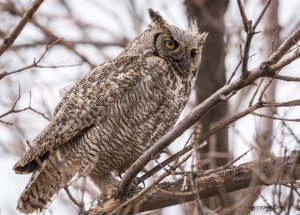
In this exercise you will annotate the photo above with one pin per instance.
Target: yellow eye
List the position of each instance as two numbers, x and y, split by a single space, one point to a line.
170 44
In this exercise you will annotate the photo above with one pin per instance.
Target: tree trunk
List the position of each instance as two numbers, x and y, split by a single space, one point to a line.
211 76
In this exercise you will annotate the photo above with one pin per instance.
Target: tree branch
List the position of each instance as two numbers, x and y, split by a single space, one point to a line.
10 39
250 30
216 129
276 170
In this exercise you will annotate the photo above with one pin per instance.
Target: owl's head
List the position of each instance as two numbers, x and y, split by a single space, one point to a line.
181 48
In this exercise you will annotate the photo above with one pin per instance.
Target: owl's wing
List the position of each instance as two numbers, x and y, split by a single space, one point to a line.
89 99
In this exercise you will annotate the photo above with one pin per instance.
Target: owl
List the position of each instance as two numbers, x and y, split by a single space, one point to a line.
111 115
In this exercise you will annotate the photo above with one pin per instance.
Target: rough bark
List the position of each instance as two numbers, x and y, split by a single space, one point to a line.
275 170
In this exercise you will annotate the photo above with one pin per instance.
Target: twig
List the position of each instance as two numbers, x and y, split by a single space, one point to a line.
285 47
163 164
291 132
264 199
243 15
285 78
80 205
261 14
285 61
250 30
256 92
267 83
234 72
194 184
227 165
14 110
10 39
96 43
274 117
35 62
71 47
290 103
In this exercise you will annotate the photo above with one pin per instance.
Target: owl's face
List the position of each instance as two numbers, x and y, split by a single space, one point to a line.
182 49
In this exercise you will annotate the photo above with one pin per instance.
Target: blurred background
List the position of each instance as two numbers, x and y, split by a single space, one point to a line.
89 32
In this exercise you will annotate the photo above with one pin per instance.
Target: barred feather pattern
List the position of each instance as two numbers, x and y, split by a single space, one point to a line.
52 175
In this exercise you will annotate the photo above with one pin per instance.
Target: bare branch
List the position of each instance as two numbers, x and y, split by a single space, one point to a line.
275 118
10 39
286 78
286 61
243 15
80 205
271 171
261 14
35 62
250 30
285 46
14 110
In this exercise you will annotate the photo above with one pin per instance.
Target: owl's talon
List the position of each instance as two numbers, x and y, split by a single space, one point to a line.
135 189
130 192
116 194
137 180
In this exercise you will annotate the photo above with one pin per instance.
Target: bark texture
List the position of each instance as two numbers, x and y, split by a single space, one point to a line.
267 172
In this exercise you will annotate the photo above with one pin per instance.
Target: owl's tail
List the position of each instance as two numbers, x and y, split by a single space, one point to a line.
44 183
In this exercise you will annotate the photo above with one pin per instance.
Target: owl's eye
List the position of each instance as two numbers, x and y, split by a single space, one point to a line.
193 53
170 44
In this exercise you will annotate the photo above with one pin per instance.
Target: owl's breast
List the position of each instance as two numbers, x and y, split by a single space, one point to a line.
135 121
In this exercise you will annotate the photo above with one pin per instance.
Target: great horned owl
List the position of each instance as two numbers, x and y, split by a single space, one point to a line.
114 113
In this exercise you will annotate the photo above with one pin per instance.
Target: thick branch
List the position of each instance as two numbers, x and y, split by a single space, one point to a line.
10 39
268 172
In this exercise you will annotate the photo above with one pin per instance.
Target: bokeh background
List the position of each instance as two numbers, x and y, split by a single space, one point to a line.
93 31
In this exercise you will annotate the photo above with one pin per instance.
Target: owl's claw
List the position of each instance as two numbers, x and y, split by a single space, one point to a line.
130 192
116 194
137 181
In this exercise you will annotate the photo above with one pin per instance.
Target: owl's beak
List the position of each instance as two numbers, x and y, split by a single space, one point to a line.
183 62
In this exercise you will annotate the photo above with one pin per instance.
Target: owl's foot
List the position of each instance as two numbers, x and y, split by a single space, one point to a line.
130 192
138 181
108 191
109 187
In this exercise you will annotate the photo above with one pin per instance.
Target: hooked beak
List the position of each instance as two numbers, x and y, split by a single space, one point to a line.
182 62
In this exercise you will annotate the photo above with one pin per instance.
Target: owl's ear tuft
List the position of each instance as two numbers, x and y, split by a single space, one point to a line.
157 20
196 32
194 27
203 38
